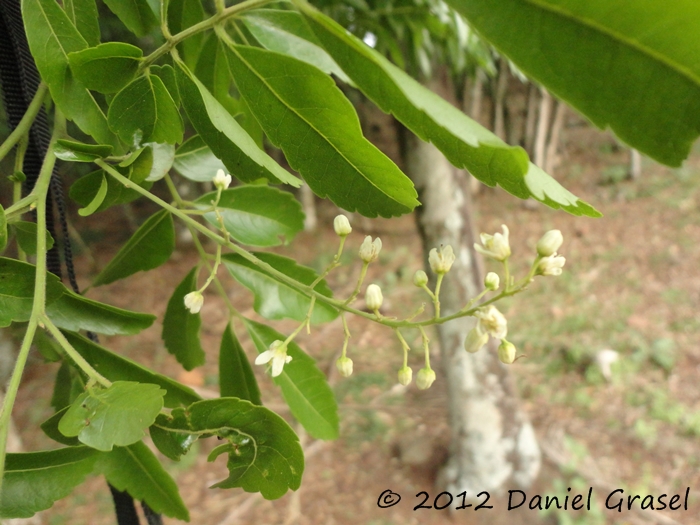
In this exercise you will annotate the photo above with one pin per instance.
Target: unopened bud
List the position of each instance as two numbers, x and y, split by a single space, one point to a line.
222 180
441 260
506 352
369 250
373 297
475 340
420 278
341 225
550 243
405 375
194 302
425 378
492 281
344 365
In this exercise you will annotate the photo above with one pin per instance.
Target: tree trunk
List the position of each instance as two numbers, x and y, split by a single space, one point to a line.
543 128
531 119
499 117
551 161
635 164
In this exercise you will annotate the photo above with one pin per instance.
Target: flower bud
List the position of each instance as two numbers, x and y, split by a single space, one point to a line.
405 375
425 378
369 250
551 265
221 180
420 278
441 260
344 365
550 243
492 281
495 246
492 322
475 340
341 225
506 352
194 302
373 297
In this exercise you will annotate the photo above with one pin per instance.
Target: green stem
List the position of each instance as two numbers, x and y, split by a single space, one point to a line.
436 297
426 347
21 206
361 278
26 122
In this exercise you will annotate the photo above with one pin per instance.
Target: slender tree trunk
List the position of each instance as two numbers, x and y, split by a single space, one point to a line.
499 118
543 128
552 158
635 164
531 119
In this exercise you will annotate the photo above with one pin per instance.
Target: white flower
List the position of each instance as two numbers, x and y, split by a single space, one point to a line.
277 353
492 322
420 278
441 260
475 340
341 225
405 375
373 297
222 180
506 352
344 365
550 243
369 251
425 378
492 281
551 265
495 246
194 302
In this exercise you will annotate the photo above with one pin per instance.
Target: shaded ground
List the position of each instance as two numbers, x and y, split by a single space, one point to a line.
631 284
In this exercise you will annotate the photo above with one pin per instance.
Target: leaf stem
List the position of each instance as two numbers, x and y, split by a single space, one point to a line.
23 127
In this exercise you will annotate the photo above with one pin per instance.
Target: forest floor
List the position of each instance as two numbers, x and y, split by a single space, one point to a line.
631 284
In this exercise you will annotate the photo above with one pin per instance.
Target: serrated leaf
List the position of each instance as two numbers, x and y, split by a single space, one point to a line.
149 247
136 15
226 138
17 290
106 68
97 200
33 481
83 14
144 111
72 151
465 143
136 470
301 110
236 378
195 161
117 415
303 385
632 67
264 454
51 36
257 215
118 368
286 32
74 312
277 300
181 327
25 232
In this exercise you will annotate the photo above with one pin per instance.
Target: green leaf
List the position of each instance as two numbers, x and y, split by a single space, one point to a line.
167 74
51 36
61 396
106 68
33 481
303 385
50 426
136 470
226 138
264 454
212 69
83 15
301 110
72 151
286 32
118 368
144 112
149 247
181 327
236 378
195 161
465 143
634 69
26 236
74 312
17 290
3 229
277 300
84 190
181 15
136 15
97 200
118 415
257 215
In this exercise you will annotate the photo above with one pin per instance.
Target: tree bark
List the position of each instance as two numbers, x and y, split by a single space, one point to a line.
499 117
551 161
543 128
